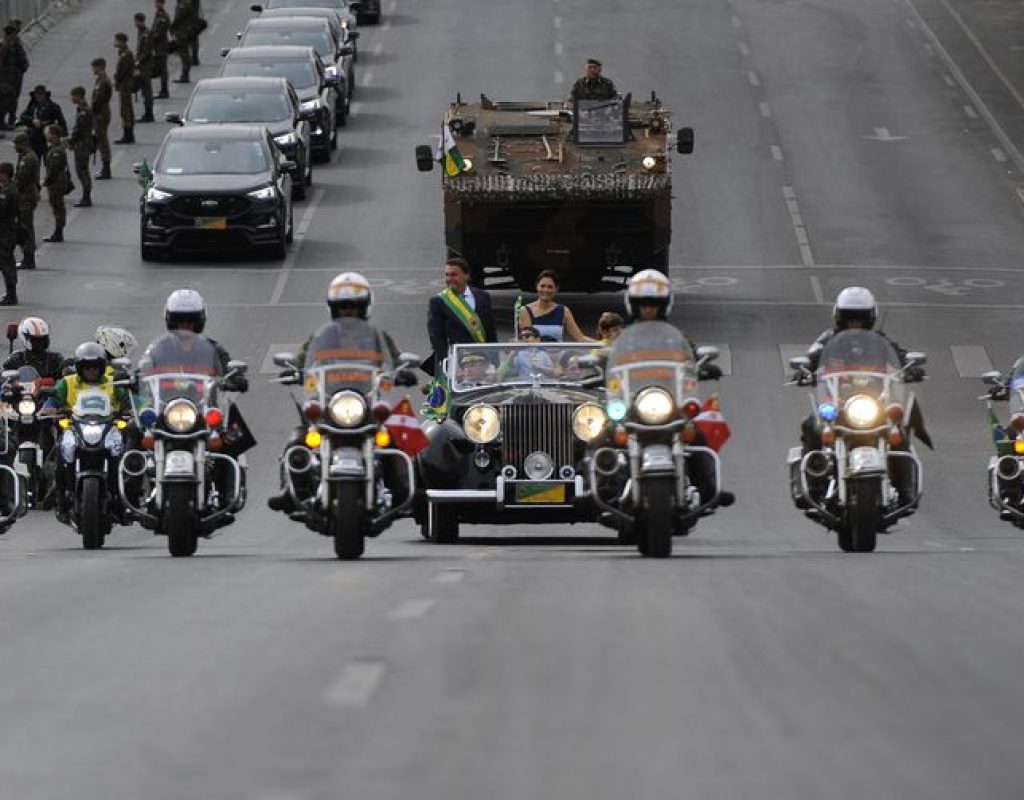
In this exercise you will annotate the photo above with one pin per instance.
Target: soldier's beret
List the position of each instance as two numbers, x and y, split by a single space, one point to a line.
594 61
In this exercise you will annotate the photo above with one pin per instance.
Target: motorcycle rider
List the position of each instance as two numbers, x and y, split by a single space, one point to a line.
349 295
648 298
185 310
35 338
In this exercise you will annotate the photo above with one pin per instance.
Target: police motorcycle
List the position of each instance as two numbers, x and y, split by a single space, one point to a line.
24 393
345 479
865 475
1006 467
12 485
178 483
652 402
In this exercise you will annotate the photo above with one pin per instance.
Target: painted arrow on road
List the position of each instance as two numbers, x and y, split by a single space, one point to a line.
883 135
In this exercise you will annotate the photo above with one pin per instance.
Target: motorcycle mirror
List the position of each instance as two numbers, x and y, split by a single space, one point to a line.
800 363
9 375
409 360
238 367
122 364
684 141
284 360
424 158
992 378
173 116
12 331
707 352
916 358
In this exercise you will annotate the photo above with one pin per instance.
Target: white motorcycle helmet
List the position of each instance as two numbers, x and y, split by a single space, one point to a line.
855 303
117 342
185 305
348 290
34 334
649 287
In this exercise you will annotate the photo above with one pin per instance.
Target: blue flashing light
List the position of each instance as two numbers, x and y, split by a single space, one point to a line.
148 418
828 412
617 410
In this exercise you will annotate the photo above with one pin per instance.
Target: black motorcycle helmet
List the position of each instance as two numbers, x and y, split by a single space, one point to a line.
90 362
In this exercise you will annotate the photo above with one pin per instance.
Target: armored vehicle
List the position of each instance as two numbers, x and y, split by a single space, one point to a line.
583 187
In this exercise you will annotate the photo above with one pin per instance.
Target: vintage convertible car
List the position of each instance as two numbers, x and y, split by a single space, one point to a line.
512 448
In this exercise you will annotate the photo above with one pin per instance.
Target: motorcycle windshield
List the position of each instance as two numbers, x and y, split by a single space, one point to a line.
92 402
651 354
346 353
178 364
859 362
28 379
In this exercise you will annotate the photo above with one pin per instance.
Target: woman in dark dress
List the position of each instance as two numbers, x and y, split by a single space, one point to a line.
553 321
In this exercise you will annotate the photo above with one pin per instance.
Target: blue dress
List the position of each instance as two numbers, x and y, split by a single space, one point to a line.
550 326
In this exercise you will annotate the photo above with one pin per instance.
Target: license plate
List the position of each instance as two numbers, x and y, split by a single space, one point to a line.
540 493
212 223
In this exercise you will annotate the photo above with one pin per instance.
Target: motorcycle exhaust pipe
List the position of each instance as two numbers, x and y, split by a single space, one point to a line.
1008 468
606 461
134 463
817 464
299 460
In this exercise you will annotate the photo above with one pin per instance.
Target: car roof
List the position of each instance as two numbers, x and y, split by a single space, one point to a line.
256 83
226 131
286 23
300 11
281 52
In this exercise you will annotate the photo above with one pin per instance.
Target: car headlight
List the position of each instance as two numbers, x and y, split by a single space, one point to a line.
589 421
286 139
481 424
180 415
91 434
654 406
310 105
347 409
263 193
26 406
861 411
154 195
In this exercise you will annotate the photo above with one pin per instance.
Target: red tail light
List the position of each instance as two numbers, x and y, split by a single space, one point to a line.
894 411
214 417
312 410
691 408
381 411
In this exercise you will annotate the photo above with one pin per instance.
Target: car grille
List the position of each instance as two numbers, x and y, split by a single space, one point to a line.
540 426
200 206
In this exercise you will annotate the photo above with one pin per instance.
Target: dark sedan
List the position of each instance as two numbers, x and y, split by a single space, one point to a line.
300 65
217 187
270 102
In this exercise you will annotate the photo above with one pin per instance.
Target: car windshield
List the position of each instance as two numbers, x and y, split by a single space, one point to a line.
337 4
212 157
317 38
239 107
300 74
474 366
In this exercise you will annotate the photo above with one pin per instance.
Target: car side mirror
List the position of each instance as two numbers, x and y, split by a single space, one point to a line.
706 353
916 358
137 168
992 378
409 360
224 51
238 367
288 165
800 363
684 141
238 35
173 116
424 158
284 360
256 8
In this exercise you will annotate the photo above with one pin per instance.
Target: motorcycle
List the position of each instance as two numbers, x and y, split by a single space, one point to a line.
344 478
179 484
91 444
1006 467
12 489
31 436
865 474
652 404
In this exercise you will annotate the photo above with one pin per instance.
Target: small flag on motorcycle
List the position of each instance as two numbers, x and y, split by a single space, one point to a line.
405 429
712 425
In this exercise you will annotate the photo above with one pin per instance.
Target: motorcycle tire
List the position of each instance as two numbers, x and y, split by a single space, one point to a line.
656 525
91 519
347 521
864 515
180 523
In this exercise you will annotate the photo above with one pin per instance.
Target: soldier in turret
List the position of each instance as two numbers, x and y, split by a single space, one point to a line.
593 85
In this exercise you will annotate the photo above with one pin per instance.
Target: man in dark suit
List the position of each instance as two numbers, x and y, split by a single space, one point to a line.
459 314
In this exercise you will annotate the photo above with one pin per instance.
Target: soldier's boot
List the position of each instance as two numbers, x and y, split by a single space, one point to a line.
183 78
128 137
104 173
164 94
28 261
11 298
86 200
148 116
57 235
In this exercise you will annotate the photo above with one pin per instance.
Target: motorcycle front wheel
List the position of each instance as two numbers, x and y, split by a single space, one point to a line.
92 523
347 521
860 531
655 535
180 522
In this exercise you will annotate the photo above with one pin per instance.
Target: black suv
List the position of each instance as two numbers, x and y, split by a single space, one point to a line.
341 33
303 70
217 187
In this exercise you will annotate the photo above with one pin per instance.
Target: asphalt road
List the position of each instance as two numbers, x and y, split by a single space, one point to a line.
876 143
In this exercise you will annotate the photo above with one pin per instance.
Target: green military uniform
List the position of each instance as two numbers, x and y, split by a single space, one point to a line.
587 88
161 47
145 61
8 232
184 29
124 77
102 93
81 142
56 182
26 181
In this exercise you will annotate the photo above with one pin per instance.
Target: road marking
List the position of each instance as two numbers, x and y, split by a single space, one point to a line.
776 152
883 135
969 111
802 241
412 609
724 360
949 81
998 155
753 78
819 295
558 48
300 234
766 110
354 108
971 361
911 24
377 47
268 367
559 77
449 576
744 50
355 686
788 351
367 78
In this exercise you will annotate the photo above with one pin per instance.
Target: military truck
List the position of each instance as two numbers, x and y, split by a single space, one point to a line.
584 188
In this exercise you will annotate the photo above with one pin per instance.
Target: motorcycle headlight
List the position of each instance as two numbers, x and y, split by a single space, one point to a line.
589 421
481 424
310 106
654 406
286 139
180 415
154 195
861 411
347 409
263 193
91 434
26 406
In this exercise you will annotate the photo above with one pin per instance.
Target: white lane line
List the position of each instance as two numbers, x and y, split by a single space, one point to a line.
355 686
819 295
724 360
449 576
268 367
753 77
367 78
411 609
788 351
802 240
966 549
744 50
300 234
971 361
558 22
776 152
558 48
766 110
998 155
376 49
559 77
969 111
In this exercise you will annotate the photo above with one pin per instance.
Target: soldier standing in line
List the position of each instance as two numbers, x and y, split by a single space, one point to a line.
56 181
183 28
124 78
19 46
81 140
8 233
102 92
593 86
161 46
26 181
193 43
13 63
145 59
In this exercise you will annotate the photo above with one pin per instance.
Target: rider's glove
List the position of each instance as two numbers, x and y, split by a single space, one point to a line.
406 377
709 372
237 383
999 393
914 374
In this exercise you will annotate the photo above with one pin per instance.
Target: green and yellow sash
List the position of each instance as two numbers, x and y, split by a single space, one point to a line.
464 314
